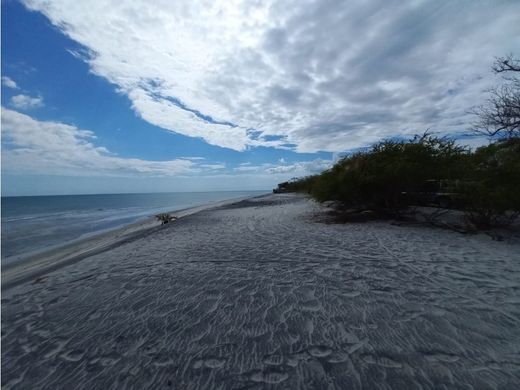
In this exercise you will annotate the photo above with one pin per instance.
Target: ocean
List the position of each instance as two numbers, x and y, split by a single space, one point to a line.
34 223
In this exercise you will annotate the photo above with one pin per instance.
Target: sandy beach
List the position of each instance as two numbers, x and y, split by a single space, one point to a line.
258 295
20 268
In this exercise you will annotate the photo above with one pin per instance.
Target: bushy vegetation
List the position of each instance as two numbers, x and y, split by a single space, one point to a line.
492 193
393 175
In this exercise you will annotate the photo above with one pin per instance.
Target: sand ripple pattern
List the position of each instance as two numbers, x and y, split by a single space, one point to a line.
257 296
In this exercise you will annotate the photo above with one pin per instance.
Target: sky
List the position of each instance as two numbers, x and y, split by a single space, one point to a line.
111 96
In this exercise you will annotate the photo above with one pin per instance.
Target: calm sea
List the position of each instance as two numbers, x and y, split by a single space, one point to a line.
32 223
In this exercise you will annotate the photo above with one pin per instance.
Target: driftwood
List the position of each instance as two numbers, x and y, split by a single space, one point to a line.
165 218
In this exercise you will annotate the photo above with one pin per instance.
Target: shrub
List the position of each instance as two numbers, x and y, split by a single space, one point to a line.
165 218
486 183
492 195
377 178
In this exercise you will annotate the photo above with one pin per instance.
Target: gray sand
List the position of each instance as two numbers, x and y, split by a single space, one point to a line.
20 268
256 295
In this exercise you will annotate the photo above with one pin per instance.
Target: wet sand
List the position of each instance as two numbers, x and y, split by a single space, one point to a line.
257 295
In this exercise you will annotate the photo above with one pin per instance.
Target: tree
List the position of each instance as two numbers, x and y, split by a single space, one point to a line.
490 193
500 116
378 178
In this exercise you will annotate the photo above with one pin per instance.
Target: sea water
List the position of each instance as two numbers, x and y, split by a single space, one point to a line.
33 223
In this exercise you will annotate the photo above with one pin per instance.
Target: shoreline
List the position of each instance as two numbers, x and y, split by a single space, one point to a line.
21 268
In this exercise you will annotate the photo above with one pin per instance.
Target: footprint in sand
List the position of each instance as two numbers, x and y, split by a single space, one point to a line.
212 362
381 361
348 337
107 361
319 351
269 376
294 359
351 294
74 355
29 347
273 360
162 360
308 326
350 347
239 288
198 331
338 357
311 305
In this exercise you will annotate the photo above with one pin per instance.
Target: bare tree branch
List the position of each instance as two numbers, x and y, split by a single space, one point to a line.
500 115
506 64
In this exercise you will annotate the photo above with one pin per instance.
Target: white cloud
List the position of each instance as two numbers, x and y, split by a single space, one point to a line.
25 102
248 168
302 168
213 166
165 114
299 168
41 147
9 83
319 75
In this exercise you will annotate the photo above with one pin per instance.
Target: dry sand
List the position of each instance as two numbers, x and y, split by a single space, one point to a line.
256 295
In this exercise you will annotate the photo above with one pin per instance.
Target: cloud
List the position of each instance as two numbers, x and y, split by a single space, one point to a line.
248 168
316 75
41 147
25 102
299 168
9 83
302 167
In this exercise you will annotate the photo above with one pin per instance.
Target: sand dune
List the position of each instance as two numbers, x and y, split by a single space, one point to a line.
256 295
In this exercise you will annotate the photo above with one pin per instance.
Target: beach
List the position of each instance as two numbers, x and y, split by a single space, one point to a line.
19 268
258 294
35 224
